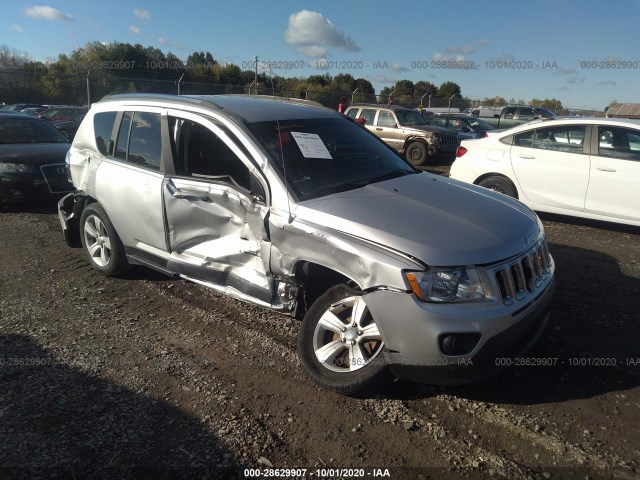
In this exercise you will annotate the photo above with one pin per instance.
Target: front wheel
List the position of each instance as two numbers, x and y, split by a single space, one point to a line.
417 154
101 242
340 345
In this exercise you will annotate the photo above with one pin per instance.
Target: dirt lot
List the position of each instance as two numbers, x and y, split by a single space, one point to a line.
149 377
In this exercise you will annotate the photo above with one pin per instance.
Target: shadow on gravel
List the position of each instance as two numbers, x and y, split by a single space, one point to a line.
590 345
58 421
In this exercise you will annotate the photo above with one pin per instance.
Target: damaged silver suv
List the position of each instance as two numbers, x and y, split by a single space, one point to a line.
296 208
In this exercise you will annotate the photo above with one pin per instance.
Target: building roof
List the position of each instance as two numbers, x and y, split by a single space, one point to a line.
624 110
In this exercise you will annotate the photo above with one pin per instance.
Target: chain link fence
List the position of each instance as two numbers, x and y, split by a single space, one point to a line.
19 87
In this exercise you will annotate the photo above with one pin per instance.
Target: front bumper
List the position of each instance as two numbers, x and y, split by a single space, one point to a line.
45 185
412 330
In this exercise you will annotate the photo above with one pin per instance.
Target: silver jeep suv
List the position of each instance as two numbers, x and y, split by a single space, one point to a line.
406 131
296 208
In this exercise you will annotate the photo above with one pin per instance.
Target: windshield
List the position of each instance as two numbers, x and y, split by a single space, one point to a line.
478 124
544 112
328 155
24 130
410 117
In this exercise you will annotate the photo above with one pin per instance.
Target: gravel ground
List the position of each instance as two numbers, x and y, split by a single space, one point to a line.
148 377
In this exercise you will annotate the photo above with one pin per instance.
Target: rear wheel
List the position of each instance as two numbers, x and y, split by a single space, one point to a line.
340 345
101 242
417 154
500 184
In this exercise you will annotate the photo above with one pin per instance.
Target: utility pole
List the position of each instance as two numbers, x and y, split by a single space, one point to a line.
256 74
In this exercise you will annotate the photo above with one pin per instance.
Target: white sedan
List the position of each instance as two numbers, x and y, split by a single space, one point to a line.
586 167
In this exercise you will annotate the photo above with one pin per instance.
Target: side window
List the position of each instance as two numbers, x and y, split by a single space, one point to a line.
145 142
123 136
618 142
386 119
561 139
199 152
509 113
439 121
369 115
524 139
527 113
352 113
103 126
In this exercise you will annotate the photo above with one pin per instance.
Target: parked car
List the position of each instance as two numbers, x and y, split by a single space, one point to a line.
18 107
584 167
467 127
32 159
406 131
296 208
64 113
513 116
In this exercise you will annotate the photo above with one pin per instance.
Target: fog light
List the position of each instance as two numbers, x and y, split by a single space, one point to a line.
458 343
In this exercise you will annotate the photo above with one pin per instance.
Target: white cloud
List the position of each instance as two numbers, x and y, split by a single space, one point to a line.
313 51
135 30
384 79
576 79
309 32
142 14
45 12
17 28
396 67
164 42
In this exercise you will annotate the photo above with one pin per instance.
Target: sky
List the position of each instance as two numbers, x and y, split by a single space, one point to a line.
584 53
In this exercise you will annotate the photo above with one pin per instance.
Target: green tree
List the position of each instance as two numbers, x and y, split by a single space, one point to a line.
448 89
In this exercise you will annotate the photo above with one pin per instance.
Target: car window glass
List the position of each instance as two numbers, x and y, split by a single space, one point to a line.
509 113
562 138
352 113
123 136
386 119
617 142
199 152
20 130
103 126
369 115
524 139
145 143
438 121
527 113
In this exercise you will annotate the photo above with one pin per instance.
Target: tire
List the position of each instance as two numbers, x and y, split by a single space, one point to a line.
340 345
417 154
101 242
500 184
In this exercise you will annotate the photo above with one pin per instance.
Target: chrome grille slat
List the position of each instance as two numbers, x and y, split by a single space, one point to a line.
521 277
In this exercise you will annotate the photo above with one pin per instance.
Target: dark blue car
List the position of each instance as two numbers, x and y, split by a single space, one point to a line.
468 127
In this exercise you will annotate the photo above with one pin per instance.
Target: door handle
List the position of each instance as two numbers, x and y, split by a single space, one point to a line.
527 157
605 169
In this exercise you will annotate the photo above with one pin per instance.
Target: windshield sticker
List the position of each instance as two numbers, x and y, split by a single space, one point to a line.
311 145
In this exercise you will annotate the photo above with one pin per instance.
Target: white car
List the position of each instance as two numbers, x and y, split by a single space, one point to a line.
585 167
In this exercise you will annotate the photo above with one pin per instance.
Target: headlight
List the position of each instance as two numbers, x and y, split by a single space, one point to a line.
447 285
15 168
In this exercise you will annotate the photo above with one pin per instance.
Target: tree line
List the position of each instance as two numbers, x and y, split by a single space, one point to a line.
123 67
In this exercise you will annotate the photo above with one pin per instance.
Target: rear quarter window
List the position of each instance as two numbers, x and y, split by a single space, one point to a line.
102 128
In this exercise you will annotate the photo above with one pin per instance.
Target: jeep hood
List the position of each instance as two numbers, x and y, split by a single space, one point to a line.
440 221
430 128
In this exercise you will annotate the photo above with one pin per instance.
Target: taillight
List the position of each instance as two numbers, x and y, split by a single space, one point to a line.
485 135
460 152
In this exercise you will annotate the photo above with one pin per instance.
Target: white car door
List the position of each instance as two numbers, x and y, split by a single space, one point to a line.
551 166
614 187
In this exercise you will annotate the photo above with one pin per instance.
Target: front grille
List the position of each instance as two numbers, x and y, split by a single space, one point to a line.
449 140
523 276
56 177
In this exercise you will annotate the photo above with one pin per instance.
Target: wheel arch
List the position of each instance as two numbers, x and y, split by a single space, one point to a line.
315 279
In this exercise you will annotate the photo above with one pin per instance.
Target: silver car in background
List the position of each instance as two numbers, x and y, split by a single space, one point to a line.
296 208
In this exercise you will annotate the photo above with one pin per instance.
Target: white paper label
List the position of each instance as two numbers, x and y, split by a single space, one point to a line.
311 145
